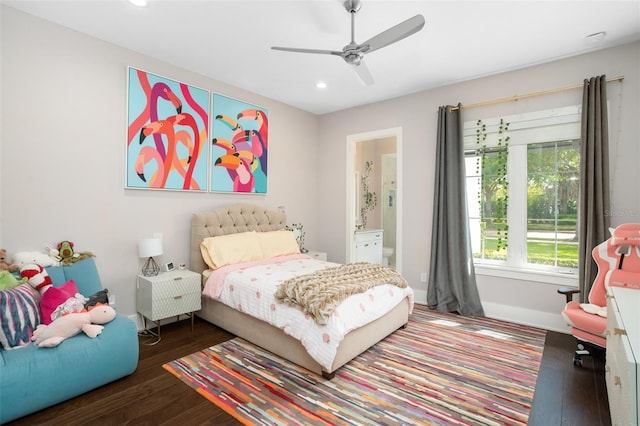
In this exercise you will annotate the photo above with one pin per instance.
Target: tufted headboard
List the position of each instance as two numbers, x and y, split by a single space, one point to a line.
230 220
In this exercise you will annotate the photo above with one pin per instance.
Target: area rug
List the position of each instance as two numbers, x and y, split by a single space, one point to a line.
442 369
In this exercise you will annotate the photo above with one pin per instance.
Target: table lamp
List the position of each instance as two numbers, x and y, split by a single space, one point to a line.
148 248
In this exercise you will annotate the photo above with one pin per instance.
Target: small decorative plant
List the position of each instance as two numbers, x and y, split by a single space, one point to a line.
370 197
298 230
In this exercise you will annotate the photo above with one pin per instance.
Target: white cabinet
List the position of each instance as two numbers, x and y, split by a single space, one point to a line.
623 352
167 295
368 246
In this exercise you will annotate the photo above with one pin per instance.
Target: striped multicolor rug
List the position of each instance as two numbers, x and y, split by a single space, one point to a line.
442 370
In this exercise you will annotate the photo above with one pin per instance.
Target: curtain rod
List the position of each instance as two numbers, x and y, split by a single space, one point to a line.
530 95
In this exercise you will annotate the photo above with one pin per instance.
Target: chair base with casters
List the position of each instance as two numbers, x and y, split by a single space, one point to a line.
618 261
580 320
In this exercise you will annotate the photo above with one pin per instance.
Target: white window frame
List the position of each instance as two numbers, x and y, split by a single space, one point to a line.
527 128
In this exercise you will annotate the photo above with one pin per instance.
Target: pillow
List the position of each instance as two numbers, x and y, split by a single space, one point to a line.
55 297
19 315
278 243
230 249
627 234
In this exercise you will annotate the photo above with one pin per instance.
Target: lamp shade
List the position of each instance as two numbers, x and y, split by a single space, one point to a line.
150 247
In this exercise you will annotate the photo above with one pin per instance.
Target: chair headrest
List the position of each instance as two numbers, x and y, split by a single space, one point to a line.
627 234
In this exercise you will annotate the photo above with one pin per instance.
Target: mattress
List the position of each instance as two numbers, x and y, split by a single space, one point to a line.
250 288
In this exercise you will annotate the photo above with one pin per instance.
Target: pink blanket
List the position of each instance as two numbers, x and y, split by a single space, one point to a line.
213 286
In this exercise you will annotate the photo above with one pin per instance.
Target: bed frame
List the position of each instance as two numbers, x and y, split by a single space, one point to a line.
247 217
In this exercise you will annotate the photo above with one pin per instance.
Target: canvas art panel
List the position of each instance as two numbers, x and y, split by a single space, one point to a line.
239 146
167 134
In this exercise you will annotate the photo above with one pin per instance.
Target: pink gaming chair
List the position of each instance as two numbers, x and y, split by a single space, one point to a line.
618 261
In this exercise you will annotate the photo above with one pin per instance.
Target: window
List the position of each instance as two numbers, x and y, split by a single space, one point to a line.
522 176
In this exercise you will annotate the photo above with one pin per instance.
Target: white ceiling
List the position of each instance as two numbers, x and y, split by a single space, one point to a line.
230 40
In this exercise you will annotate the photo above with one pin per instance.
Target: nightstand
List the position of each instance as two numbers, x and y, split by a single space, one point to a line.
168 294
320 255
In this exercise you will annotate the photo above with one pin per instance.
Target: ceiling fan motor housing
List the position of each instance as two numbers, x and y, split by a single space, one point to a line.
352 6
352 53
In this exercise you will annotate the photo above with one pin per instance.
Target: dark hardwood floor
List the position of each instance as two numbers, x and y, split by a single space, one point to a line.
565 395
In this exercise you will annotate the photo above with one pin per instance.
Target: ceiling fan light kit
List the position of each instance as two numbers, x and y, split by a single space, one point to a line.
353 53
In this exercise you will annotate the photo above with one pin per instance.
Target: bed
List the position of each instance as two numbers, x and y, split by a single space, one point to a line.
242 219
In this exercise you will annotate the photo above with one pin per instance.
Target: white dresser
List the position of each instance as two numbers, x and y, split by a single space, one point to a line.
368 246
623 354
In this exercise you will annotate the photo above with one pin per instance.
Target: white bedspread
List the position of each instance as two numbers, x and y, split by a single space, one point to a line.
250 288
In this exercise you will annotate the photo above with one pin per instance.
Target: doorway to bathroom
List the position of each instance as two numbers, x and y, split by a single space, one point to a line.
389 213
382 150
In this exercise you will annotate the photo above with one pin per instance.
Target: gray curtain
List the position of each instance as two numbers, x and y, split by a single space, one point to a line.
593 221
452 280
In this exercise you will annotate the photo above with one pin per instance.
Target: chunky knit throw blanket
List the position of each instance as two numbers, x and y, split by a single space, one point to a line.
318 293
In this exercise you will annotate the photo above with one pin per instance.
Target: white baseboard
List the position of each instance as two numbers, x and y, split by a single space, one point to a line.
420 297
540 319
546 320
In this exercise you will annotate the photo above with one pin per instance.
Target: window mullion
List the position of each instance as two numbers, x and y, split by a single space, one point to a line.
517 210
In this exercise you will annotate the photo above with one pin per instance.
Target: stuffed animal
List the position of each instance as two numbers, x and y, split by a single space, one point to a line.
6 266
24 257
72 305
48 336
37 277
67 255
51 300
77 257
65 249
100 297
8 280
53 253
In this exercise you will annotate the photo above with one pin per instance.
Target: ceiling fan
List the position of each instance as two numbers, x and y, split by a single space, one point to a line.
353 53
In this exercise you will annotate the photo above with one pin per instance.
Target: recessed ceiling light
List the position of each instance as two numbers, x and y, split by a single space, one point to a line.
139 3
321 85
595 38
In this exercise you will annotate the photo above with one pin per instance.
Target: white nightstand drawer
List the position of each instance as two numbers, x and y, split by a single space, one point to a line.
320 255
170 285
177 305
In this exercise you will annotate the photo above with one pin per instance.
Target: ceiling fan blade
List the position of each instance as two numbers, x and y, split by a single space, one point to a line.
297 50
363 72
393 34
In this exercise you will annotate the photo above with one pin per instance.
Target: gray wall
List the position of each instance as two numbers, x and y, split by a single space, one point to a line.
63 150
516 299
62 157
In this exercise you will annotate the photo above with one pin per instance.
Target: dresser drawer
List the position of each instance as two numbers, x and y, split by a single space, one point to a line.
621 371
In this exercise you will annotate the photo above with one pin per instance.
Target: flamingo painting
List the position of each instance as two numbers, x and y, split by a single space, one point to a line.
168 124
239 146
